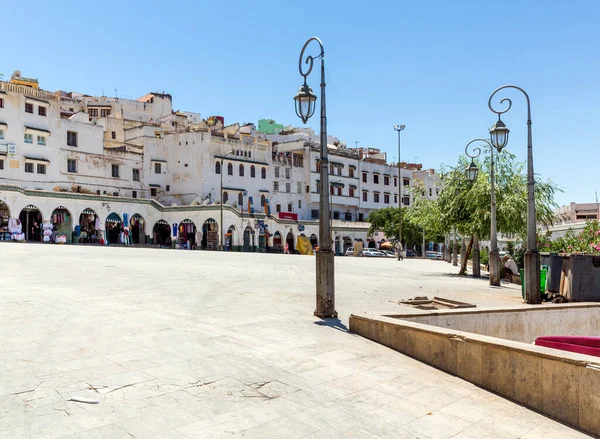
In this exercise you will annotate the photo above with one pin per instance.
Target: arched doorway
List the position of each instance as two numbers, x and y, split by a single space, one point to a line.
113 226
230 239
62 223
210 235
4 226
161 233
347 244
89 225
137 228
290 242
314 241
31 222
248 239
277 248
187 235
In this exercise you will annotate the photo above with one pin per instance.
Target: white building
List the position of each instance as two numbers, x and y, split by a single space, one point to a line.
145 160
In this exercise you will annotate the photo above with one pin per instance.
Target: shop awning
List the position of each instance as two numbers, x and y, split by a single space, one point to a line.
88 212
162 222
187 221
157 160
3 125
154 185
263 190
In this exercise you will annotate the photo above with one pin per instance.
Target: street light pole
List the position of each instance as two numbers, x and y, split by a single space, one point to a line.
472 172
499 136
221 201
399 128
305 108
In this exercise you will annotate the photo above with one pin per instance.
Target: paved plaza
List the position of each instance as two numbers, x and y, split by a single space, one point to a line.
181 344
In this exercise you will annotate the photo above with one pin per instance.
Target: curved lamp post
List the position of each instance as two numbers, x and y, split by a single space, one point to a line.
399 128
472 171
305 107
499 138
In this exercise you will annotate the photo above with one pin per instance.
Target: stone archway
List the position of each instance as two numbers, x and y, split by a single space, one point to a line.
112 228
62 223
347 243
137 229
4 217
89 226
277 244
248 239
161 233
210 235
230 241
186 234
31 223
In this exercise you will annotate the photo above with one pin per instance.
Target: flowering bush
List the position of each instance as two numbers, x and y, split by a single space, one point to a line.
588 241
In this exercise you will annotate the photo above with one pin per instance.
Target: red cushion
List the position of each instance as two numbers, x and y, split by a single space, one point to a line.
580 345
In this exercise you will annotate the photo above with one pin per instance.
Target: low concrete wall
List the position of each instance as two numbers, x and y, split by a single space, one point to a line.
523 324
562 385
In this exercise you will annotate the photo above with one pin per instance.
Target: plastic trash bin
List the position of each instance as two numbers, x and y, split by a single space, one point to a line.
543 274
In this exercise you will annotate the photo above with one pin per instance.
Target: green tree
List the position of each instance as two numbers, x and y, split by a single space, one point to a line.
465 205
387 221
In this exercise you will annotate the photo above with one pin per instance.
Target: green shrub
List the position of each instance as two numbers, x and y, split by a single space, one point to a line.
484 256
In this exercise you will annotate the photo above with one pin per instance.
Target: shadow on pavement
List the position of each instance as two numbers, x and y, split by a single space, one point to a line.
333 323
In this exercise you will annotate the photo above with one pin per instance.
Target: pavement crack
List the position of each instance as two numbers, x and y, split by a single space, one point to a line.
27 391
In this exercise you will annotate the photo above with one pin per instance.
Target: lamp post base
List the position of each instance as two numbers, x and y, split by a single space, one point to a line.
495 268
325 285
533 294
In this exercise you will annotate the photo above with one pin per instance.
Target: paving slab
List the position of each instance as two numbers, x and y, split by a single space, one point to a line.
190 344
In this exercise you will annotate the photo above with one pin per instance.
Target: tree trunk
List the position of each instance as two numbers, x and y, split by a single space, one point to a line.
463 248
454 250
465 258
476 260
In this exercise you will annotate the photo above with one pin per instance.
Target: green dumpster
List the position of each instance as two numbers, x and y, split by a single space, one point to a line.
543 274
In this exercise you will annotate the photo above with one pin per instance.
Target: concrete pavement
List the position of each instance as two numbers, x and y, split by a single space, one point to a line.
178 344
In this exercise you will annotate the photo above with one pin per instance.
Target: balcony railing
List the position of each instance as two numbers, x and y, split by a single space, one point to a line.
28 91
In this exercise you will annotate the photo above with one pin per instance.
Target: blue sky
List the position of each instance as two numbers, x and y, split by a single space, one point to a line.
430 65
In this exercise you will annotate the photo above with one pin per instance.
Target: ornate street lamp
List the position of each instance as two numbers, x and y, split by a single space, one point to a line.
499 135
305 101
472 172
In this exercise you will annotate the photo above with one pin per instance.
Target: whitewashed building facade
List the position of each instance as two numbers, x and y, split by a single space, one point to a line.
118 159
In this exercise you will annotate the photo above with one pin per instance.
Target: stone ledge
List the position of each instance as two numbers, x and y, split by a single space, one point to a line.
558 384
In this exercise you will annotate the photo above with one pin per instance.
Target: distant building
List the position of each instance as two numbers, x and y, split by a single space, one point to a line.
268 126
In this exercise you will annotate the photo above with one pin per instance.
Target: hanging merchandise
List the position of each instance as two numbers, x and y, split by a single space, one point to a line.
48 231
15 229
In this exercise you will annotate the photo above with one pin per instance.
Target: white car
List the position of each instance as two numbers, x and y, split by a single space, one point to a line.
350 251
372 253
388 253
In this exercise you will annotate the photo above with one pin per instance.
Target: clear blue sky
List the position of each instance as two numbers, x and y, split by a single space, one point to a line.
430 65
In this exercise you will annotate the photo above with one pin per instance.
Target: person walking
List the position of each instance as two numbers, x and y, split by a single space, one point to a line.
286 249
